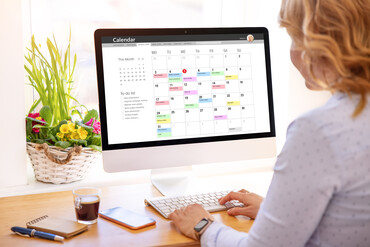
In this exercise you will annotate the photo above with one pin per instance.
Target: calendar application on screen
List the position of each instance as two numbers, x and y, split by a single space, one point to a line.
199 86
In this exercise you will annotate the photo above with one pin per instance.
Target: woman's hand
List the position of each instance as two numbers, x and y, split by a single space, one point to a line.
251 203
186 218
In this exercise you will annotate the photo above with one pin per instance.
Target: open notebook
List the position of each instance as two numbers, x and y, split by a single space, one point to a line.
61 227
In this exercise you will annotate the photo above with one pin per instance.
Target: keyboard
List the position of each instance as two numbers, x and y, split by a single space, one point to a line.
166 205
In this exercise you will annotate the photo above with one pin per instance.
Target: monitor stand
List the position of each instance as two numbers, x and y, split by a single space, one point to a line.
172 181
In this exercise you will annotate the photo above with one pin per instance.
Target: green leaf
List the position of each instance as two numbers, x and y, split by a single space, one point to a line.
88 128
46 114
75 111
28 127
74 64
51 137
63 144
91 114
95 140
72 98
38 126
38 141
97 148
52 56
79 142
35 120
43 132
34 105
28 71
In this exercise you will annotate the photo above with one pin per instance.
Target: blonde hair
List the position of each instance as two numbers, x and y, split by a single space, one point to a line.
336 32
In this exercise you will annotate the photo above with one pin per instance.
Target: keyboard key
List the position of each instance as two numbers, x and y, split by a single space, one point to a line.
238 204
229 205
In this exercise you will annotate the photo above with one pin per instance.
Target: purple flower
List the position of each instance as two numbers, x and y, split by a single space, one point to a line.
96 125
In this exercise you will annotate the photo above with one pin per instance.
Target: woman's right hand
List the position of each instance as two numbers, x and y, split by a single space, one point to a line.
250 200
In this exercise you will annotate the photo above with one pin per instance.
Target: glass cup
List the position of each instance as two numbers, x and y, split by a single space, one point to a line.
86 200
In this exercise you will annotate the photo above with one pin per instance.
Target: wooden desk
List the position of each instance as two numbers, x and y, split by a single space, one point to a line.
16 211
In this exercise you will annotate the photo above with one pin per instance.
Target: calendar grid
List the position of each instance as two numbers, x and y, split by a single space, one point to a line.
175 88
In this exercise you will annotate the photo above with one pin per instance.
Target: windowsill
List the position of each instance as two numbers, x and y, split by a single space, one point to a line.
252 175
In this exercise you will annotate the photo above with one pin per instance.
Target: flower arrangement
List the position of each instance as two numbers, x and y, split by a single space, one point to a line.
63 136
51 75
66 133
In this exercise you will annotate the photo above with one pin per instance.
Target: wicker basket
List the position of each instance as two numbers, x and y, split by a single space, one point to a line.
58 166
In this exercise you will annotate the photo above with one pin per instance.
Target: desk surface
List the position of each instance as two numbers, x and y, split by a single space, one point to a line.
17 210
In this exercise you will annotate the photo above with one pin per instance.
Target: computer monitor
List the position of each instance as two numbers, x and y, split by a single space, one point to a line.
179 97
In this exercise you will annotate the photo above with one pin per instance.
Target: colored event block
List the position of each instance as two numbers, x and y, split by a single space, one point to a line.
166 134
162 103
174 75
163 116
175 79
231 77
218 86
160 76
176 88
203 74
205 100
217 73
187 79
164 130
221 117
163 121
230 103
192 92
191 105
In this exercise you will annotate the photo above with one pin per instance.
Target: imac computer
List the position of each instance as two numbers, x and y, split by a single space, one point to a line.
180 97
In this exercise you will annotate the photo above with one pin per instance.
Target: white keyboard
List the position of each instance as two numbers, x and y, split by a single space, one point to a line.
166 205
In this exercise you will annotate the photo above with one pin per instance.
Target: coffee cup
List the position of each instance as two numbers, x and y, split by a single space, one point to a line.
86 202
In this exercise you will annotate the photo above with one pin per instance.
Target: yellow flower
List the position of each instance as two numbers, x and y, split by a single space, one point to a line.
71 127
67 136
64 128
60 135
75 135
82 132
39 118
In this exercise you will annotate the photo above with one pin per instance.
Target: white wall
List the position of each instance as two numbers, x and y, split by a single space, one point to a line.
12 100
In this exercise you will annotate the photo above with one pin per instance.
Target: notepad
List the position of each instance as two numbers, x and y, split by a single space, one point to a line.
61 227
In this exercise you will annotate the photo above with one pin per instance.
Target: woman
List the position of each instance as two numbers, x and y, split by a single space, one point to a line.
320 191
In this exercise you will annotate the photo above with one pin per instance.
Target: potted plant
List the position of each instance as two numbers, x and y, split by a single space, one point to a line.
61 150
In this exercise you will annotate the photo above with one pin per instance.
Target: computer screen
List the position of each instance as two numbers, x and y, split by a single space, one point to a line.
184 96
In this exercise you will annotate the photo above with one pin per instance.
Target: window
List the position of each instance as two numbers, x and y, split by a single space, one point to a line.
49 17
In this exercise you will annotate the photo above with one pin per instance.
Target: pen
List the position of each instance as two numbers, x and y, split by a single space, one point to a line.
26 232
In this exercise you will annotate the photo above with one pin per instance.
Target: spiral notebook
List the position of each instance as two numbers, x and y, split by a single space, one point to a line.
61 227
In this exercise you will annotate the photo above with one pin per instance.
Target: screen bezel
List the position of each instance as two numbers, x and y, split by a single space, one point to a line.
99 33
